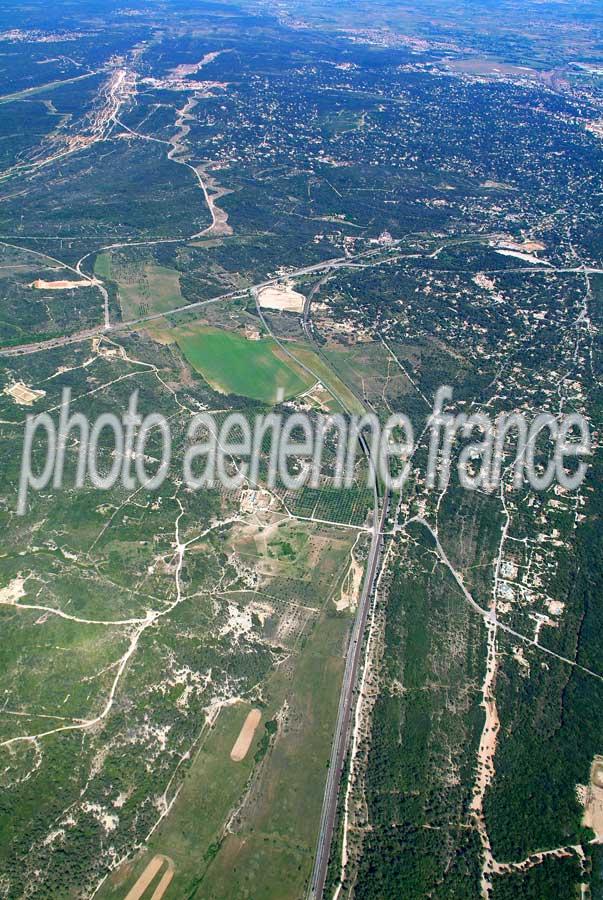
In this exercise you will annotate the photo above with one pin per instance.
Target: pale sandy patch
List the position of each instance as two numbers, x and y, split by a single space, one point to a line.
498 185
163 884
42 285
485 760
53 836
109 821
350 589
243 742
595 127
487 284
185 69
147 877
239 622
214 192
22 394
556 607
519 657
253 501
281 297
521 246
13 591
121 798
482 281
262 610
524 257
532 246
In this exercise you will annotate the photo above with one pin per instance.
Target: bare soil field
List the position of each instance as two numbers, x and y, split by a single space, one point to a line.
147 877
184 70
23 395
41 285
478 66
350 589
243 742
281 297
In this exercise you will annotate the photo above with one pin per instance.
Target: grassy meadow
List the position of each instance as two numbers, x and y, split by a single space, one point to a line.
233 365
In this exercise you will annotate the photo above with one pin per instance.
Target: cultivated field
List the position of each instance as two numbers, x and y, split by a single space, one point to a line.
233 365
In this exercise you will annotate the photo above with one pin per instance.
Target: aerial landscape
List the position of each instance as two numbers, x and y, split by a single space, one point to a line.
301 558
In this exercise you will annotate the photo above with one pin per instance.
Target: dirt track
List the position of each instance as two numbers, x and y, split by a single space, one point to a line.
147 877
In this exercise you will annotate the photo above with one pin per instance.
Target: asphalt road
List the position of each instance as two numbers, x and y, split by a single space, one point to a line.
74 338
354 656
346 702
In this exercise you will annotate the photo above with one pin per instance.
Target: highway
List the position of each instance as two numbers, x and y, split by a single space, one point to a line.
381 509
341 738
327 265
76 337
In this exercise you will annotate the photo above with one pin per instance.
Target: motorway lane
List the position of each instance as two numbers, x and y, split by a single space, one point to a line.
346 703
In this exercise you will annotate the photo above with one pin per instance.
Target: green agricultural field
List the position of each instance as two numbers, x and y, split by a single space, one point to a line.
233 365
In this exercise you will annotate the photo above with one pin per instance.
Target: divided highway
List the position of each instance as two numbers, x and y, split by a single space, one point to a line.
341 739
